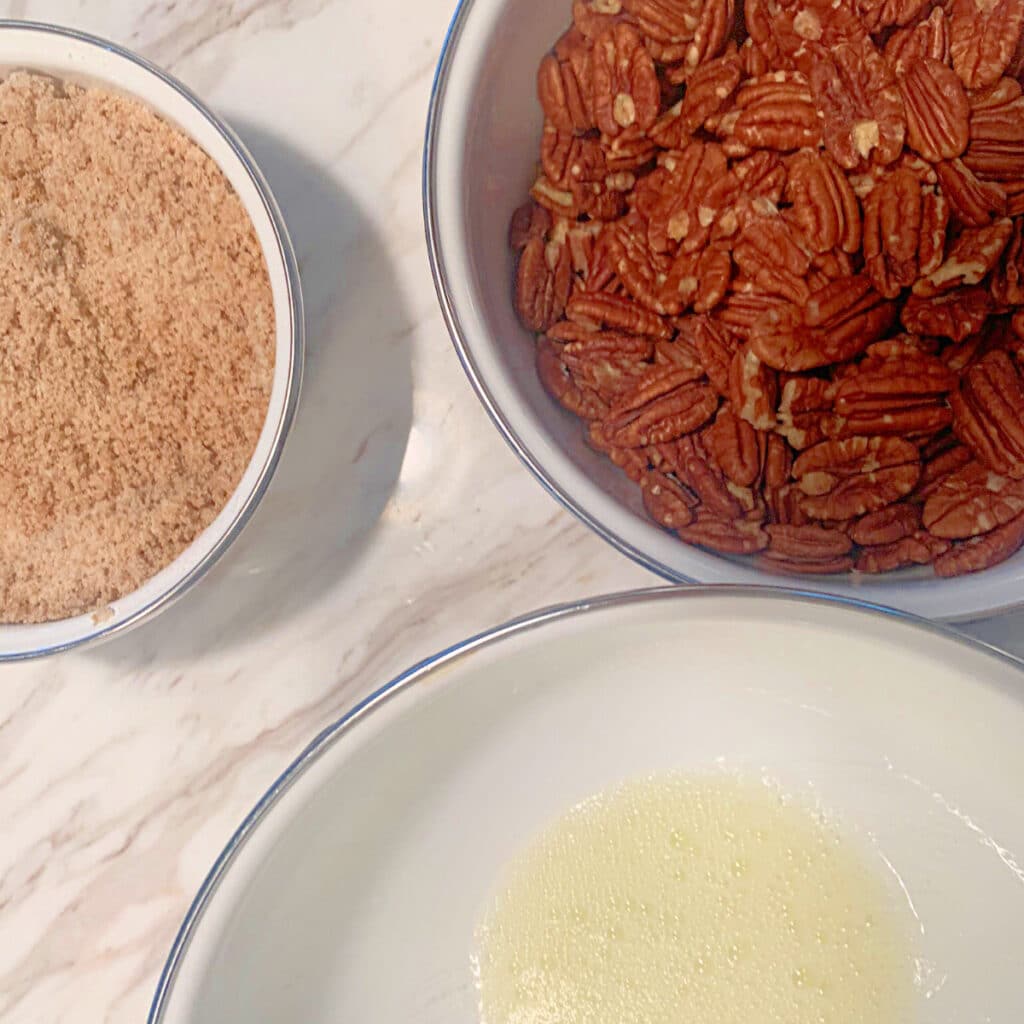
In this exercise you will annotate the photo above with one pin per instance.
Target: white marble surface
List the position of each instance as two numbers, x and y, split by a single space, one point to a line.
398 523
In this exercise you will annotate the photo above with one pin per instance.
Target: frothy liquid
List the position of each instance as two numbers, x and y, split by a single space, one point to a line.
705 901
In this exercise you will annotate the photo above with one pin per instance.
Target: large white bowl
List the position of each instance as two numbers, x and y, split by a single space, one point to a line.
482 141
351 892
84 59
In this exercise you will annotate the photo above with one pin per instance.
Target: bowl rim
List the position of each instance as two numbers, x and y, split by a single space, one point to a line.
977 608
422 671
293 382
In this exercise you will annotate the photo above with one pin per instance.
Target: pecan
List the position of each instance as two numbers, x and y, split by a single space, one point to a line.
939 467
776 112
543 283
665 404
632 461
626 89
824 206
805 416
848 478
568 159
565 84
813 543
689 199
921 548
839 321
784 505
892 232
886 526
806 566
863 112
695 467
681 353
727 537
771 252
1008 279
903 395
618 313
708 89
975 202
761 175
734 445
881 14
972 501
592 17
996 150
528 222
670 23
928 38
983 552
953 315
608 362
667 502
937 110
559 383
971 257
715 349
983 35
988 413
753 389
745 306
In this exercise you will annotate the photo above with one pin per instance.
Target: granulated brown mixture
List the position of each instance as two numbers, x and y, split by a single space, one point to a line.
136 345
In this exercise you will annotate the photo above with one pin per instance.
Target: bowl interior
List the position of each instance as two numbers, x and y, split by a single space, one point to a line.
88 61
354 894
482 160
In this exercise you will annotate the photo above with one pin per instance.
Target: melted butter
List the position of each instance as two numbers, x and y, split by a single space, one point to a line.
705 901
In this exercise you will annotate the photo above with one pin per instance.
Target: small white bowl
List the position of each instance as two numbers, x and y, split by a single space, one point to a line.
351 891
483 133
86 60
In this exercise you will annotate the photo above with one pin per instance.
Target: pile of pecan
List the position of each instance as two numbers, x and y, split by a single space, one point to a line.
774 256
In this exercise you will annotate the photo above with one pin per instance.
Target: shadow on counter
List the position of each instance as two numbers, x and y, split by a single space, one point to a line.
345 450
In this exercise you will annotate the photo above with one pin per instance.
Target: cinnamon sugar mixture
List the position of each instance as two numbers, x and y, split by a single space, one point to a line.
136 345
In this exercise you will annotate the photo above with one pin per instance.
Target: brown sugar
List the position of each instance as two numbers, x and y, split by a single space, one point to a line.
136 345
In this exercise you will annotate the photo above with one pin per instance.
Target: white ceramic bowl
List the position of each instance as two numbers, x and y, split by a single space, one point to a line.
351 892
87 60
482 141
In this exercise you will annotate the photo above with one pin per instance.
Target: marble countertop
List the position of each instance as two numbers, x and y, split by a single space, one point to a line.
398 523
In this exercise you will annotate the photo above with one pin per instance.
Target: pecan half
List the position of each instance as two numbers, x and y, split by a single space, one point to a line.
565 84
892 232
988 413
814 543
954 315
972 501
608 362
665 404
839 321
806 416
592 17
975 202
775 111
601 310
881 14
928 38
937 110
919 549
983 552
560 385
753 388
667 502
996 150
708 89
887 526
626 89
771 252
983 35
735 446
543 283
971 257
715 348
1008 279
728 537
824 205
849 478
903 395
863 111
